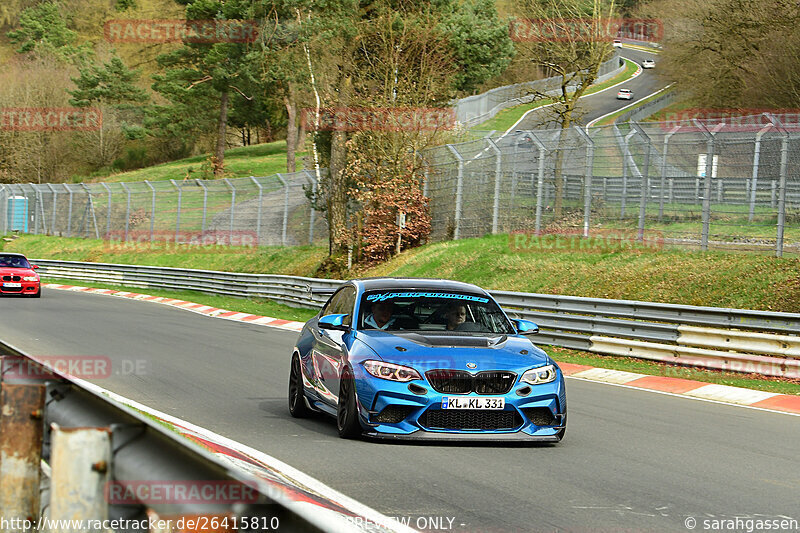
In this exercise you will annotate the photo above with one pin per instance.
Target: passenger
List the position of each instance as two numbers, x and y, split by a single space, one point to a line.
381 316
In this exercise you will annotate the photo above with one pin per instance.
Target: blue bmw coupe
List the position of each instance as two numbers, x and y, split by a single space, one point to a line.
431 359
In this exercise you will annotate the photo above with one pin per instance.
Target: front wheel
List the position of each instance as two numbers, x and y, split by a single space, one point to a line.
347 413
297 402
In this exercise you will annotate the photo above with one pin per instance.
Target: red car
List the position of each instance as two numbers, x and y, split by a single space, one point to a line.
17 276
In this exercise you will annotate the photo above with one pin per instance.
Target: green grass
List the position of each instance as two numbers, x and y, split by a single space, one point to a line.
508 117
254 306
256 160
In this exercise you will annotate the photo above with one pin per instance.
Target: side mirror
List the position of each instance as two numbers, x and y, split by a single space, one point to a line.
526 327
333 322
34 267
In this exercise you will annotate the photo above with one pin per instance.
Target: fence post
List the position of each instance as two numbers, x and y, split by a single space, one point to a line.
21 429
782 183
69 212
756 161
108 211
664 172
587 181
205 203
707 182
36 205
497 170
626 144
80 462
258 215
152 210
285 208
645 178
90 207
127 210
233 205
312 215
459 191
539 181
5 209
55 201
178 214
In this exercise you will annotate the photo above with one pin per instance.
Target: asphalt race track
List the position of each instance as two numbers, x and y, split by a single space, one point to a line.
632 460
599 104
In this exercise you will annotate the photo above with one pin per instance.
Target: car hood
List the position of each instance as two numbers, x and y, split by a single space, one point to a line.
428 350
4 271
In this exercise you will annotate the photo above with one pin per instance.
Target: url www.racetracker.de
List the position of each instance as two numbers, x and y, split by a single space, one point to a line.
196 523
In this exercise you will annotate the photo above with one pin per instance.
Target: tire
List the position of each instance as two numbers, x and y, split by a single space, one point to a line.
347 413
297 402
38 293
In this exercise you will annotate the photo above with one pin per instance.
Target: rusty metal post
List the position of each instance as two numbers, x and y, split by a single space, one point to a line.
21 428
80 462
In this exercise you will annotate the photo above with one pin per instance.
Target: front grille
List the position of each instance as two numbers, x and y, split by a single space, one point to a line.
470 419
393 414
12 278
447 381
540 416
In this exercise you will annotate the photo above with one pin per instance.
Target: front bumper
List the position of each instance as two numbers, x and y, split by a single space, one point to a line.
538 415
27 287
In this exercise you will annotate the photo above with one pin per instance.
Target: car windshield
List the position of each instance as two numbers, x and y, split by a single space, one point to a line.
13 261
416 310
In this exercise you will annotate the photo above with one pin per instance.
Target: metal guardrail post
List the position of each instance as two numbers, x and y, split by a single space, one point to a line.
108 210
233 205
127 210
498 162
260 207
459 191
152 209
312 215
178 214
587 180
285 208
21 429
69 212
80 461
756 161
645 177
665 150
781 183
707 182
55 202
205 203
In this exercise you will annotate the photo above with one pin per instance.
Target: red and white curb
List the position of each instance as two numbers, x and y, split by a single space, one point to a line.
207 310
784 403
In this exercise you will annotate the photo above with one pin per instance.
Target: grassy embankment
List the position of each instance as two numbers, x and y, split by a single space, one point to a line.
716 278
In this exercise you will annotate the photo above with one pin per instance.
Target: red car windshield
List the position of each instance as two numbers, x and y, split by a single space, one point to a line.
13 261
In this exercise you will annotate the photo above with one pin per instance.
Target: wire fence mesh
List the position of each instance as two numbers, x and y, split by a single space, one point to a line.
688 183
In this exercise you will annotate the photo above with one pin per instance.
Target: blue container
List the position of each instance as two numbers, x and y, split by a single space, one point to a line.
17 212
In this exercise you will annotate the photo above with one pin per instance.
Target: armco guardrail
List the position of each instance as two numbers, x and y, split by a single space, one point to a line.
105 462
658 331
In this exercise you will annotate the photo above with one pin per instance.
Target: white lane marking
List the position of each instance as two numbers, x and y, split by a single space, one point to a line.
693 398
608 375
287 472
639 48
726 393
592 123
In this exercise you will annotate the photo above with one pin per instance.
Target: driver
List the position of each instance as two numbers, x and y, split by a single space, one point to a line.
381 315
456 315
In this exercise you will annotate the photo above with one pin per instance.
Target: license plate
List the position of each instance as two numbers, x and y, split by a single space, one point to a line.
473 402
12 285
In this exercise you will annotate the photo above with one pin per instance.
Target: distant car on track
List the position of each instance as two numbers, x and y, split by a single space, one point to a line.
17 276
430 359
617 43
625 94
648 63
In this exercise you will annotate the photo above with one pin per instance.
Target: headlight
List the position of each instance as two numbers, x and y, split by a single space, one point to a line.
537 376
390 371
30 278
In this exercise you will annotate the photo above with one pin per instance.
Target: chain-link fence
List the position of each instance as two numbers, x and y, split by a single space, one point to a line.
272 210
693 183
474 110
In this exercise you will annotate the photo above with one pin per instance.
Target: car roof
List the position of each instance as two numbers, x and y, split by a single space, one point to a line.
368 284
12 253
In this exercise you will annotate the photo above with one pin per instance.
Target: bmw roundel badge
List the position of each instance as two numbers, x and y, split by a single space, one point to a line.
472 366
